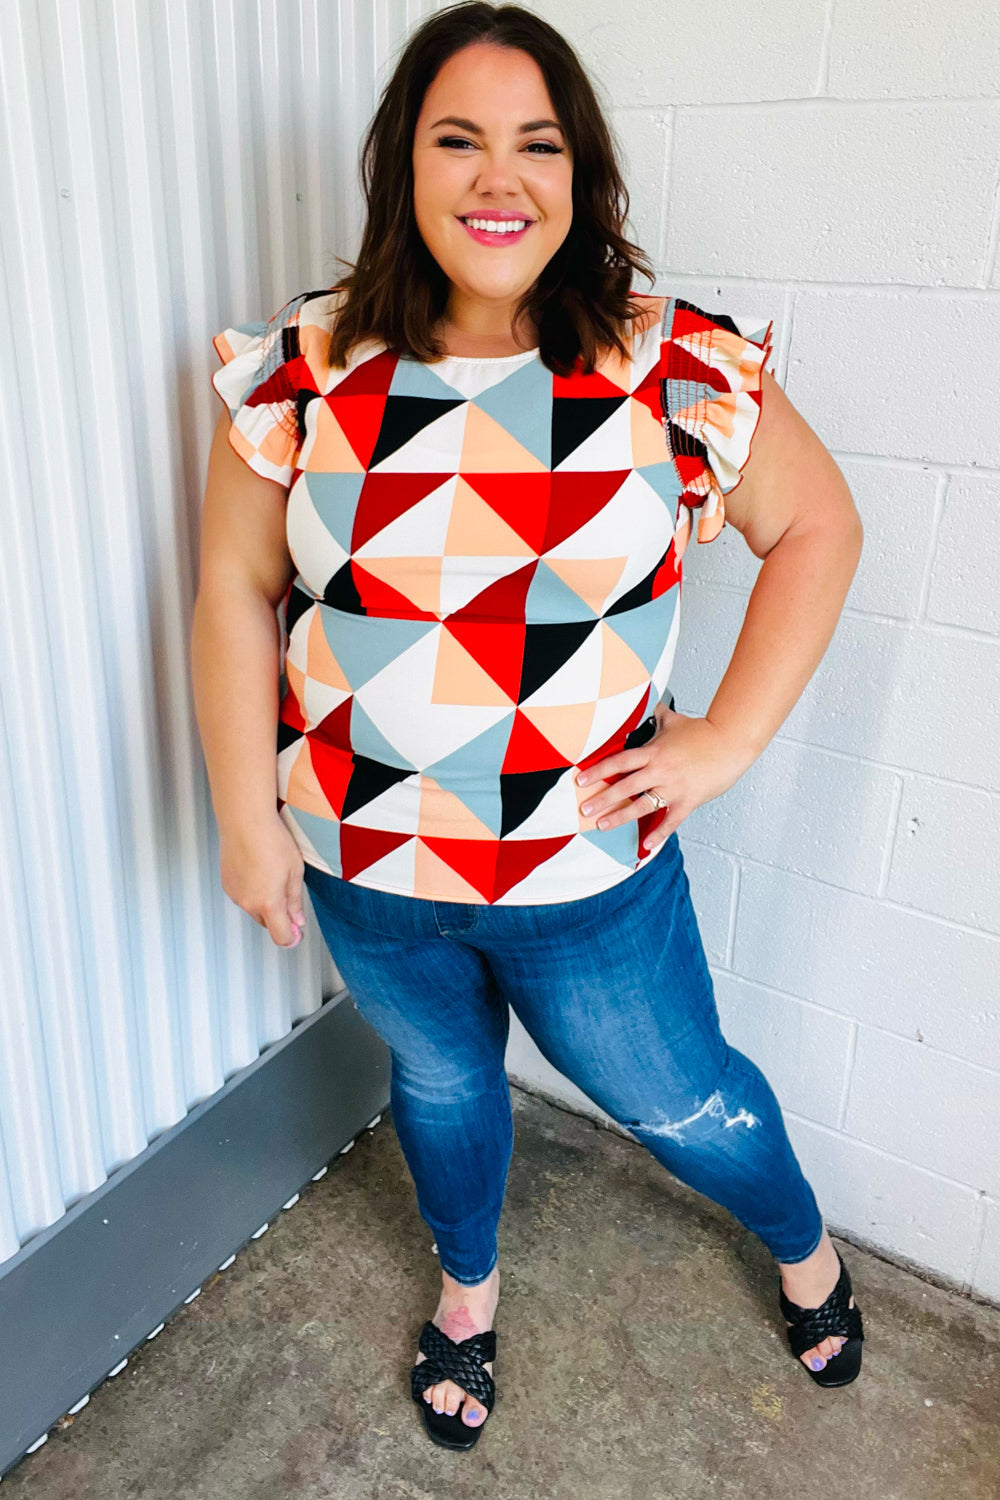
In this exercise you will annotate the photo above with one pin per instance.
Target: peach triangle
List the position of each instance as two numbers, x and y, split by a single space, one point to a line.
591 578
416 578
458 678
488 448
443 815
438 881
304 791
621 669
475 529
322 665
565 727
649 443
331 453
616 371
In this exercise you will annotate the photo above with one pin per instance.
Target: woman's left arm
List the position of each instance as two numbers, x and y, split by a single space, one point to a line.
794 508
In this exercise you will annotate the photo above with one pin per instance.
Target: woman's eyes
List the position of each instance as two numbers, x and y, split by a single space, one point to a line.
457 140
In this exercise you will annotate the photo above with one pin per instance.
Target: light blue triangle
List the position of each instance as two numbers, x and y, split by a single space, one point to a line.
646 627
522 404
412 377
335 498
363 644
323 834
552 602
368 740
618 843
664 479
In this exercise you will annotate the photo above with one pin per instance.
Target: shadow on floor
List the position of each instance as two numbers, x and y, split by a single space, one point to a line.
640 1353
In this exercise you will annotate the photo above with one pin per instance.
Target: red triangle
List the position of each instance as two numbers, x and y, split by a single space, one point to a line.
290 712
497 648
361 847
617 740
335 729
333 769
380 598
385 497
524 505
372 377
529 750
578 384
668 573
504 601
360 420
576 498
473 859
518 857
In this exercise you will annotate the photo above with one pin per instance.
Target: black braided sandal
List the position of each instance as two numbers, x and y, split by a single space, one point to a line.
463 1363
835 1319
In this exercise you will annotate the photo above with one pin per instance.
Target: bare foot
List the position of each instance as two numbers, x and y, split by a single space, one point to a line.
808 1283
461 1312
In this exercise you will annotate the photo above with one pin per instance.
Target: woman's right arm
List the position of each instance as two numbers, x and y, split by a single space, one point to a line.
244 571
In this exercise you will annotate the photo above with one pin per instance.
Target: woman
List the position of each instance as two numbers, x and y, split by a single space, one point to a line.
482 453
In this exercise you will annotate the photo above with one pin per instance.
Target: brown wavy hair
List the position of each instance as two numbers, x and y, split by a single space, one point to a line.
396 291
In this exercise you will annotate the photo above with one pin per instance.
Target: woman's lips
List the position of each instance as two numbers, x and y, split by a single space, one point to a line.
494 237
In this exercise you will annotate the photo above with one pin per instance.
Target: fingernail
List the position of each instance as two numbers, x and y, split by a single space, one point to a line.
585 809
818 1364
582 779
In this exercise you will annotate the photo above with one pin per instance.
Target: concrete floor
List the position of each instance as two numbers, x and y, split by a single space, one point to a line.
640 1354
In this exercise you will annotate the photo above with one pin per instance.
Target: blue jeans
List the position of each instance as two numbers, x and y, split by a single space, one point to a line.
616 993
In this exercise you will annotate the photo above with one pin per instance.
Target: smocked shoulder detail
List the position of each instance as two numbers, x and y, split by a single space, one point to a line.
711 367
260 383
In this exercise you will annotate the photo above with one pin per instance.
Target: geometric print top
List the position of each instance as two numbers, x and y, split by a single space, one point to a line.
488 587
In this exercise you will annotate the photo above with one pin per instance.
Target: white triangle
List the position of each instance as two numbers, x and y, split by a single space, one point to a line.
663 668
556 815
395 872
578 680
396 810
419 531
436 448
398 700
462 578
579 869
610 714
608 446
320 700
315 550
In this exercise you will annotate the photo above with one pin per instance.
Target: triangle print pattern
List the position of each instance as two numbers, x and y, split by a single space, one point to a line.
488 586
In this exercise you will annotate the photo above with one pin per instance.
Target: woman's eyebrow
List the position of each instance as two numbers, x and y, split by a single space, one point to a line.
478 129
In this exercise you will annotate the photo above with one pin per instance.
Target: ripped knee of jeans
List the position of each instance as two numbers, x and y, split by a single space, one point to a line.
714 1108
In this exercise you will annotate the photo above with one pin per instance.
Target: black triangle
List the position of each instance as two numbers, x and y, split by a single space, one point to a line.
296 605
404 416
287 735
546 649
342 592
520 794
574 418
369 779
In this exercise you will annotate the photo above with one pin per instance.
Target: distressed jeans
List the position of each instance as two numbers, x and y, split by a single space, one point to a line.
615 991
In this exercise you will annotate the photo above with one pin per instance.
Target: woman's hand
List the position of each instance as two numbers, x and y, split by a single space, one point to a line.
687 762
262 872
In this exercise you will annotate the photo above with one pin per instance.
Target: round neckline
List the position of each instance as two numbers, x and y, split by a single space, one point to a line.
486 359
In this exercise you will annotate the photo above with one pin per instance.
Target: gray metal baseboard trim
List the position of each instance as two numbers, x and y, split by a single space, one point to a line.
82 1294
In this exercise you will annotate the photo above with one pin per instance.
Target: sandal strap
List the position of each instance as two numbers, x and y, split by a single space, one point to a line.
461 1362
811 1325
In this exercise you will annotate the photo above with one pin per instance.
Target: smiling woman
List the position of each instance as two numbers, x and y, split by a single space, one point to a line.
476 463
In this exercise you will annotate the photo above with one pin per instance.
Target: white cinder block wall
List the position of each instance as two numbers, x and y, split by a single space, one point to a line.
836 166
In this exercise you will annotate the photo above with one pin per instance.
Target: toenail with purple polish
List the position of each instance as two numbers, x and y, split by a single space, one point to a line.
818 1364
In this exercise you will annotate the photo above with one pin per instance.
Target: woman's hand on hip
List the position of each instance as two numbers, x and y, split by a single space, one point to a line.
687 762
261 870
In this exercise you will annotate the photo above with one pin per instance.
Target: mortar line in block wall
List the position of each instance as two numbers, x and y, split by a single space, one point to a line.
847 890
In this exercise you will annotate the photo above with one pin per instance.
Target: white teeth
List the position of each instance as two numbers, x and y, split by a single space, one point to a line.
497 226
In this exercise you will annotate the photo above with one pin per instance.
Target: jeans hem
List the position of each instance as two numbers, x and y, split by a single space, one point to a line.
471 1280
793 1260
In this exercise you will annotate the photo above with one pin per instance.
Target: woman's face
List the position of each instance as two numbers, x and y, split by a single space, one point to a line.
482 162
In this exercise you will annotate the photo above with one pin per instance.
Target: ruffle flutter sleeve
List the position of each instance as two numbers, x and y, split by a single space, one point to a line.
711 367
257 383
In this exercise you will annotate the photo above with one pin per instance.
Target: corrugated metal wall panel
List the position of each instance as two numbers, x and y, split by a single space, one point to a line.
166 171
